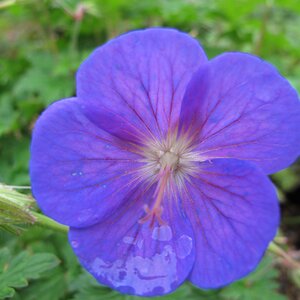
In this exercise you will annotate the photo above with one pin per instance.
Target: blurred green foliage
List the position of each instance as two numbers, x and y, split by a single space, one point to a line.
68 281
15 271
42 43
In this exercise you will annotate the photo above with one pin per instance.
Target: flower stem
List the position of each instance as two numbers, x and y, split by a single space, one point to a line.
7 3
18 209
46 222
274 248
74 37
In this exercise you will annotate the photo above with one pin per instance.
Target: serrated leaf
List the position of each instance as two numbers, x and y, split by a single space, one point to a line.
6 292
51 287
38 263
16 271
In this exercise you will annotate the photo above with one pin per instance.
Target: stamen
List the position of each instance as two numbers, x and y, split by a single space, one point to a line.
159 193
152 215
169 163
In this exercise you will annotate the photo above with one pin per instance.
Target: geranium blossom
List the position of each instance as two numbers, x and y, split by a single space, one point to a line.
159 164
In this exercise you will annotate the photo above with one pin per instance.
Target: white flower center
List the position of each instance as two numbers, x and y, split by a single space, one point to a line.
169 159
167 163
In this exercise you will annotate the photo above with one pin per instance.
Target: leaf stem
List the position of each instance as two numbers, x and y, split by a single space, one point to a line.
280 252
48 223
75 36
7 3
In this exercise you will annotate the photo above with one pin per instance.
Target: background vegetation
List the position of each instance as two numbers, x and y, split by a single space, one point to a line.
43 42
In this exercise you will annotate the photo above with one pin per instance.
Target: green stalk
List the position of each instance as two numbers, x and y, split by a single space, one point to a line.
7 3
16 209
46 222
75 37
278 251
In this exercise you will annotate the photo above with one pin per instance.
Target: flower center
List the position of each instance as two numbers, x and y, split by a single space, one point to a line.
169 159
167 164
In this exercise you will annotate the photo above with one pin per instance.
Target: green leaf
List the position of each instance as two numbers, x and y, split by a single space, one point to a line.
8 115
14 160
53 286
261 284
6 292
41 83
86 287
16 271
288 179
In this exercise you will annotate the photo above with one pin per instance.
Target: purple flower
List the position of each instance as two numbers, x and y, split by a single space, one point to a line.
159 164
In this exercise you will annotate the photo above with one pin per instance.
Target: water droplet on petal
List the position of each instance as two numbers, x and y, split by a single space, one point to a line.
77 173
85 215
184 246
140 244
129 240
74 244
162 233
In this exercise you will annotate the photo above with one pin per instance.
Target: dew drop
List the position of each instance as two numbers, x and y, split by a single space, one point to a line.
162 233
77 173
184 246
140 244
85 215
74 244
129 240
